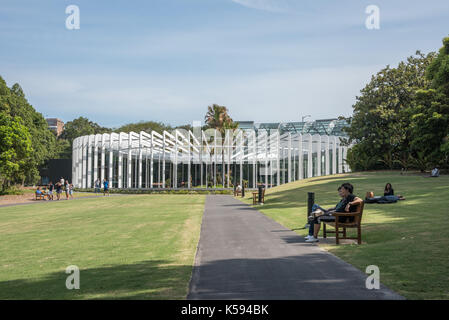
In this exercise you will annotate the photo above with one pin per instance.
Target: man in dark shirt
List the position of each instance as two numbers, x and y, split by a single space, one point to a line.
348 203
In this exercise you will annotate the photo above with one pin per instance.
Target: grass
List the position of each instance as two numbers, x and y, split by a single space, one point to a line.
126 247
408 240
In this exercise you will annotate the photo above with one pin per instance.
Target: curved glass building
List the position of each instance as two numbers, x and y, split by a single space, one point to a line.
206 159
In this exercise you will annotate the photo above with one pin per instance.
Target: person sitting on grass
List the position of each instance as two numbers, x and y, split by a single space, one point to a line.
348 203
435 173
389 193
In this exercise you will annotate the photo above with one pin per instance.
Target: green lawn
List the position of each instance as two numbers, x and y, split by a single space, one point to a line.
408 240
127 247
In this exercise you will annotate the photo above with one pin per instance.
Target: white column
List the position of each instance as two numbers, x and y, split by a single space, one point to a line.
163 161
327 162
318 157
120 162
80 162
151 160
309 157
334 155
140 161
96 158
129 161
103 146
189 166
111 159
74 160
289 155
175 163
300 158
340 158
241 157
89 161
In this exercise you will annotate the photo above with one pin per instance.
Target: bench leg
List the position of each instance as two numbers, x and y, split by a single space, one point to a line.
359 235
324 231
344 232
337 234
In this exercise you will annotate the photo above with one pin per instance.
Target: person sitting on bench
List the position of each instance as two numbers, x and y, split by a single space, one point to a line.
39 193
348 203
435 173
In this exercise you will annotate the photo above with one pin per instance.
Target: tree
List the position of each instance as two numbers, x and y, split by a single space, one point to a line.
217 117
15 150
381 123
81 127
14 104
430 113
146 126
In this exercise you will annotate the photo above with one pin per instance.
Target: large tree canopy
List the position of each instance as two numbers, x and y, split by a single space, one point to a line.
14 104
15 150
402 117
81 127
381 121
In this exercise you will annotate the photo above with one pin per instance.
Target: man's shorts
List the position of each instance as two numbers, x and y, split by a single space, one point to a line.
327 218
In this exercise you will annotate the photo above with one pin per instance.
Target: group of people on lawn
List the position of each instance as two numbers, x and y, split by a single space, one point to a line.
48 191
348 203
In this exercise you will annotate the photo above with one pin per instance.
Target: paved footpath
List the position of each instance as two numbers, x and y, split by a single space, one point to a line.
242 254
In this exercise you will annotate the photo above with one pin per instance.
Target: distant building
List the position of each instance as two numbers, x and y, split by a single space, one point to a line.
56 125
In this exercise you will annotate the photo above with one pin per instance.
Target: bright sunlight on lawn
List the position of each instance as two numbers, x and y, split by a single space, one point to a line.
408 240
132 247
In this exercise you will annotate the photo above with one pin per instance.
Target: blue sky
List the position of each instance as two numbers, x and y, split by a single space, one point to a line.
167 60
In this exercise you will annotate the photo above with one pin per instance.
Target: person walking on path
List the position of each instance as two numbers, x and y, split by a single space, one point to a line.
58 188
105 187
51 187
97 186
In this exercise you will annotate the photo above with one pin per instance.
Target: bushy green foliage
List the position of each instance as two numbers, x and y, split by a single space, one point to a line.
146 126
15 150
13 104
401 119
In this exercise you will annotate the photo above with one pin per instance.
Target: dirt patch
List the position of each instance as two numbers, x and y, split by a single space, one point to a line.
23 198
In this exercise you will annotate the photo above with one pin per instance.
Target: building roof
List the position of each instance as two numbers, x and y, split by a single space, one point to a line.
332 127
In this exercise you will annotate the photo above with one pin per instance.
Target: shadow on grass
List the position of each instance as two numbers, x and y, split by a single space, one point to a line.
143 280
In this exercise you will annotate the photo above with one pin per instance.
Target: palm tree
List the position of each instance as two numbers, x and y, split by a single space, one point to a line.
217 117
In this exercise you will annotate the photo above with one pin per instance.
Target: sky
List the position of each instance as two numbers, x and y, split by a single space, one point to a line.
167 60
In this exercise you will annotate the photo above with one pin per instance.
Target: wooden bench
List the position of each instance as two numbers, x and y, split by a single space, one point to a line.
256 197
40 196
237 193
340 227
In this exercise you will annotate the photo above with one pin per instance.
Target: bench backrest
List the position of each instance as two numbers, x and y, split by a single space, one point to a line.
358 218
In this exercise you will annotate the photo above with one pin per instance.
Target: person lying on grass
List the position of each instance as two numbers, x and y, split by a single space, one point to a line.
348 203
388 197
